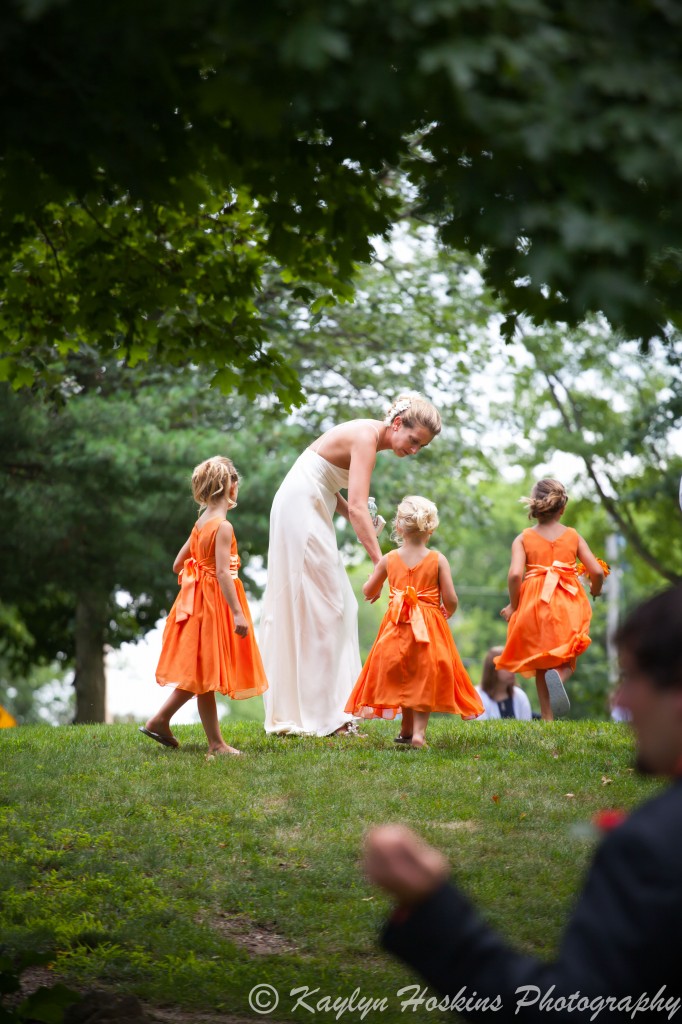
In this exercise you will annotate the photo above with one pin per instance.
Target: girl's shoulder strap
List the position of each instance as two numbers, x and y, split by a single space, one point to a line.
209 534
394 562
574 536
226 526
214 522
436 561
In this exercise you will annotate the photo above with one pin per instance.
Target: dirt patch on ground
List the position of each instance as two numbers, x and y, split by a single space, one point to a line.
255 939
187 1017
34 978
456 826
288 833
274 803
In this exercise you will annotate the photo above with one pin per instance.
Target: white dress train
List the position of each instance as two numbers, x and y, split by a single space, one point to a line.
309 621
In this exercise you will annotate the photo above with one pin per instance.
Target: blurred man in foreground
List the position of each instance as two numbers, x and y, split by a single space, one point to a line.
620 957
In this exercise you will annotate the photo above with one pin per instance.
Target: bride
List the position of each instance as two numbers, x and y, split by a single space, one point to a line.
309 631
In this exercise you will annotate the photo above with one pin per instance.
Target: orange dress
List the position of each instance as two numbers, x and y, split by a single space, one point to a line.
414 662
201 652
550 626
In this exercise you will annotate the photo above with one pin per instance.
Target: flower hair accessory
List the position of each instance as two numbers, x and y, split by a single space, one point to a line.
397 409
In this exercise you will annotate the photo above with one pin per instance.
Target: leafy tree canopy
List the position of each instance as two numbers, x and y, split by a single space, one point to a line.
159 158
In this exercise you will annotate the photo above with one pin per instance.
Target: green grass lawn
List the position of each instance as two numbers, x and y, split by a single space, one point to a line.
187 881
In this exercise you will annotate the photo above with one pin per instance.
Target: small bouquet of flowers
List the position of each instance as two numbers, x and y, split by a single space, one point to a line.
582 571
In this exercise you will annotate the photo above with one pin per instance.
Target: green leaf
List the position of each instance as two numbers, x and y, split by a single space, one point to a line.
47 1005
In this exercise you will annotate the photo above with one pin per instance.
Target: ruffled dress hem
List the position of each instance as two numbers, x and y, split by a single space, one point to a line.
388 714
566 655
196 688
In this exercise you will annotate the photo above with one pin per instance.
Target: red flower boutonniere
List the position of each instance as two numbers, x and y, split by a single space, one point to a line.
605 821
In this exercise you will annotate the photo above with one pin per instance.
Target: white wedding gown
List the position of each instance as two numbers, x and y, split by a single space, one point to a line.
309 621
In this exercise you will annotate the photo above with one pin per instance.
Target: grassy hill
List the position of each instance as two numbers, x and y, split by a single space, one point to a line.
187 882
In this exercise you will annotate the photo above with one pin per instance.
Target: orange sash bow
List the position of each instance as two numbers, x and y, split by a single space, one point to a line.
187 578
415 616
558 574
189 575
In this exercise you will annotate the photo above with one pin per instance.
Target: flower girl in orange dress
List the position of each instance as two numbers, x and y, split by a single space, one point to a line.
208 641
548 611
414 666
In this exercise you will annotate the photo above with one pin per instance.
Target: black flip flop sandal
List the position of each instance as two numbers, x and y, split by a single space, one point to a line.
165 741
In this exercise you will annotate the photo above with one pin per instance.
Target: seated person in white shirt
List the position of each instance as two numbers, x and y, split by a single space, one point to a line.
501 697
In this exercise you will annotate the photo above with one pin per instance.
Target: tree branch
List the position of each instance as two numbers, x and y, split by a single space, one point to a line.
47 238
29 470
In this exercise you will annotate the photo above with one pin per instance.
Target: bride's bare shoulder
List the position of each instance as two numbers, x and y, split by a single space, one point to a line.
364 428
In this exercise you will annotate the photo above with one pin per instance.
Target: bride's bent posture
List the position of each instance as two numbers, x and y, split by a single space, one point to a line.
309 630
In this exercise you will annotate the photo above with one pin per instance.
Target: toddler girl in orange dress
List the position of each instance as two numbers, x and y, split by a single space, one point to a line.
208 641
414 666
548 611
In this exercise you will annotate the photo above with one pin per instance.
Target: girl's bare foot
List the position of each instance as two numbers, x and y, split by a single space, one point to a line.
418 742
224 748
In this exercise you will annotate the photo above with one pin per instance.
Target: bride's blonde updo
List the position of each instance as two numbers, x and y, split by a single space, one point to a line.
213 479
415 515
414 409
546 499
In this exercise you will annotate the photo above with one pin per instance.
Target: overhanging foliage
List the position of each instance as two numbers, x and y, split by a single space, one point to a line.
547 135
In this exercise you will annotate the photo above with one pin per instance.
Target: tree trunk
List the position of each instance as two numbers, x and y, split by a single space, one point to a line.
90 680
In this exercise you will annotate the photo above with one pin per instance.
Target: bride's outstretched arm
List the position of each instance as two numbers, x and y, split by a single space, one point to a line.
362 461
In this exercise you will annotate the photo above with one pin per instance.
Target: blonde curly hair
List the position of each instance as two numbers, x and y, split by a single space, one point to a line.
212 479
415 515
546 499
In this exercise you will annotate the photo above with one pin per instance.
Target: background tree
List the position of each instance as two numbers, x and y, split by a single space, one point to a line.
168 144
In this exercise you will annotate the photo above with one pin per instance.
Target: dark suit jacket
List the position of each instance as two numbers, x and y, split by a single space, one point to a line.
623 940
